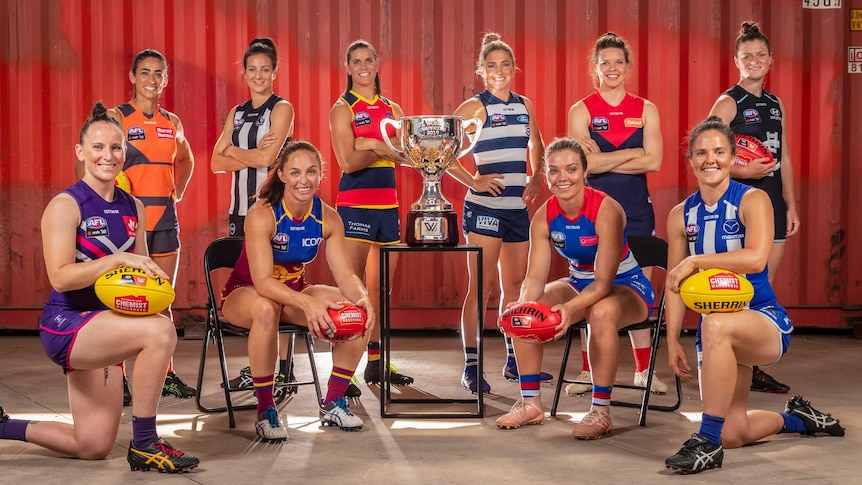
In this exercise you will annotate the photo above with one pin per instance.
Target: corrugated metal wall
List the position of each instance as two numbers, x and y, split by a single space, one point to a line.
58 57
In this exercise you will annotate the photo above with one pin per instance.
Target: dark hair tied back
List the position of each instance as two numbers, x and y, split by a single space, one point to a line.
711 123
749 31
98 115
261 45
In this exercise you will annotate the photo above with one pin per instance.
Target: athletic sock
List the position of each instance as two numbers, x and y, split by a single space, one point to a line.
471 356
14 429
171 365
510 347
373 352
602 395
585 364
530 385
792 424
263 391
143 431
710 428
641 358
338 382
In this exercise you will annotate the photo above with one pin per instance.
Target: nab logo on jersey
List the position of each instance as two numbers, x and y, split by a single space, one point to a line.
751 115
361 119
498 119
280 242
600 123
96 226
135 133
691 232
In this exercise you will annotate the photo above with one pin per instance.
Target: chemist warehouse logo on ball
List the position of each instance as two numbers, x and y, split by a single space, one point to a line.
724 281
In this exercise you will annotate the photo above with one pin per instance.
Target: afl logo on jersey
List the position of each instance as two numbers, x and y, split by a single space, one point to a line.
751 115
691 232
600 123
280 242
559 239
498 119
237 123
361 119
96 226
135 133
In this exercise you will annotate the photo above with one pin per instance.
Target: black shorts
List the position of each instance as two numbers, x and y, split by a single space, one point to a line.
237 226
163 243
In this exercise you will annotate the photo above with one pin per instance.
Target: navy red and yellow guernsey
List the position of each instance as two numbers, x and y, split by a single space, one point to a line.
372 187
151 148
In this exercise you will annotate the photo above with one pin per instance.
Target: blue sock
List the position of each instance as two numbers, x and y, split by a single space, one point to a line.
143 431
792 424
14 429
710 428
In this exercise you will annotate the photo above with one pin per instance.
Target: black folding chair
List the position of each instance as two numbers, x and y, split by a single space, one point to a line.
649 252
223 253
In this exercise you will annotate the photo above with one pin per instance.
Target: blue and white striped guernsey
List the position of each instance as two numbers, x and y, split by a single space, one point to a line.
502 148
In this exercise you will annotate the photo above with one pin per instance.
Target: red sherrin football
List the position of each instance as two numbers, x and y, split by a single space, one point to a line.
349 321
530 321
132 292
749 148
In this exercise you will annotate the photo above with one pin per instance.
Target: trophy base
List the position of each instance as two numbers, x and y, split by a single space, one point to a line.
432 228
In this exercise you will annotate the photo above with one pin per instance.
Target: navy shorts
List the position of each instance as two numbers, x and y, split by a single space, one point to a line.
58 329
163 243
775 313
510 225
381 226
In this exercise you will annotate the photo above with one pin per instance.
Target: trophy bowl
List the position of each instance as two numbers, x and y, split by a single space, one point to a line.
431 144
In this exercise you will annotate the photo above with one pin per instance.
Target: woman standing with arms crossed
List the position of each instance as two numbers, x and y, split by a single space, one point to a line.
728 225
250 141
159 164
495 213
80 334
621 136
367 200
749 109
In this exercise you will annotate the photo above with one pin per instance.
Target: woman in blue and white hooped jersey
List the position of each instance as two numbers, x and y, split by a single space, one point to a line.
728 225
495 213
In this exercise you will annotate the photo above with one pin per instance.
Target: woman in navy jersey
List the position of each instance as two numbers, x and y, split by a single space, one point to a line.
621 135
749 109
728 225
495 210
87 230
605 284
284 230
367 199
251 139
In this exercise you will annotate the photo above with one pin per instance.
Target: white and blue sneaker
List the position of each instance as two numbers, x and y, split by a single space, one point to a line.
270 427
337 413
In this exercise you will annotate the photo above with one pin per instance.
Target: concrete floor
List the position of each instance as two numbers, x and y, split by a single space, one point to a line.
824 367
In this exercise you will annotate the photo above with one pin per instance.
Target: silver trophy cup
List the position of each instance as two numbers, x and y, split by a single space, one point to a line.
431 144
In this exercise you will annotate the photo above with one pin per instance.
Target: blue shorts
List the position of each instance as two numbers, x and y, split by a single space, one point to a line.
381 226
58 329
510 225
776 313
637 282
642 225
163 243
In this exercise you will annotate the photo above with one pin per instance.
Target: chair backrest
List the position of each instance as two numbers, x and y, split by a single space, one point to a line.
649 251
221 253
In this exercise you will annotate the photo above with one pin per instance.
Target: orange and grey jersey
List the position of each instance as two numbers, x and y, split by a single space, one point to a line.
250 124
373 187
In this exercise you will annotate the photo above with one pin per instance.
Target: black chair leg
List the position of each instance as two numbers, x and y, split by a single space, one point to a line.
208 334
562 375
309 345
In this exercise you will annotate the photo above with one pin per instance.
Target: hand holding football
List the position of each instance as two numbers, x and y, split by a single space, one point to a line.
530 321
349 322
132 292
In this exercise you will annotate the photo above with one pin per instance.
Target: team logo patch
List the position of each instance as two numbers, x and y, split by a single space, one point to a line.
724 281
523 118
280 242
96 226
775 113
691 232
260 121
134 133
164 132
498 119
131 223
559 239
361 119
600 123
751 115
488 223
633 122
732 226
589 240
518 322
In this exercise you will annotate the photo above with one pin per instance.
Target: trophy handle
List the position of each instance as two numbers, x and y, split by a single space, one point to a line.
397 125
474 137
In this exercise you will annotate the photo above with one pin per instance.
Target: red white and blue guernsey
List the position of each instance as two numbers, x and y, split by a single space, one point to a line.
295 244
577 241
616 128
502 148
373 187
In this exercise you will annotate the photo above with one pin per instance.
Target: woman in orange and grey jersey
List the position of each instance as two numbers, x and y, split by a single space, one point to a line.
159 164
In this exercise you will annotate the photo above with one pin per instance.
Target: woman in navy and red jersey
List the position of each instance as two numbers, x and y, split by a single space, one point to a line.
749 109
87 230
621 136
367 199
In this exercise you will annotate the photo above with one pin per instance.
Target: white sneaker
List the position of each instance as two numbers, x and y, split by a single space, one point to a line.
657 387
576 388
270 427
337 413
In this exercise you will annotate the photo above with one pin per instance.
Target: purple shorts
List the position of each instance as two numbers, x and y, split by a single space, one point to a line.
58 329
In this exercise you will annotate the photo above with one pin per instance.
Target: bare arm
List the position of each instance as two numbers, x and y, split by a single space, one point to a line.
674 306
536 154
184 162
539 259
491 183
281 128
725 108
598 161
653 147
219 162
349 158
378 146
